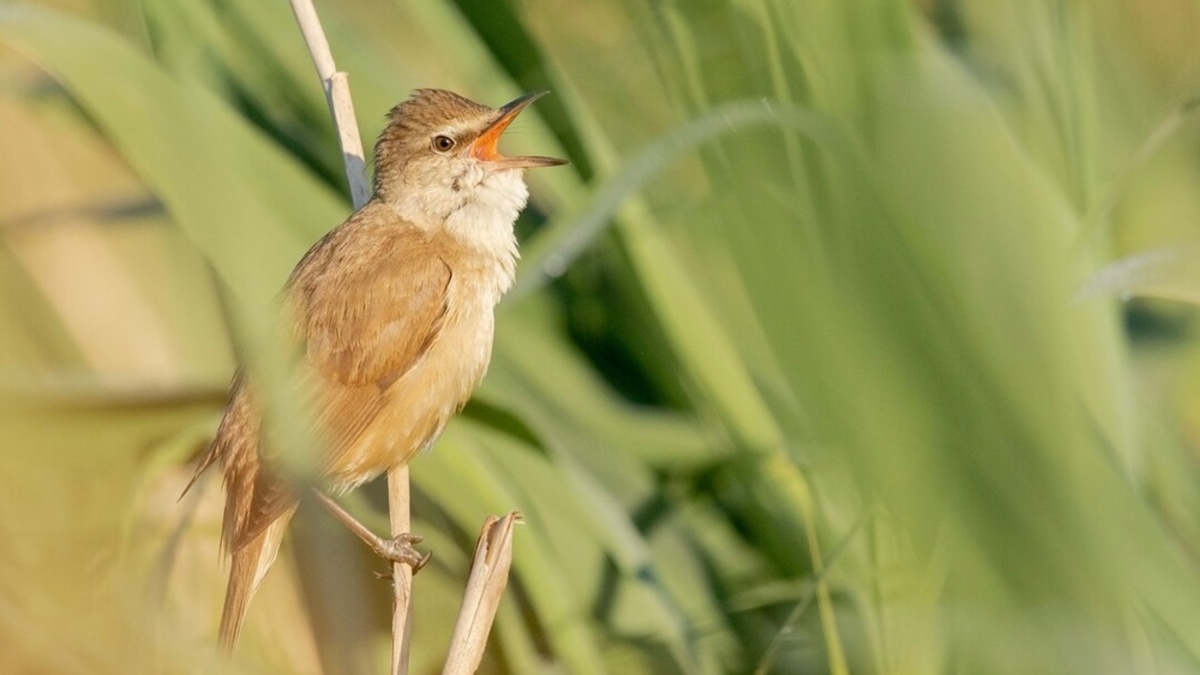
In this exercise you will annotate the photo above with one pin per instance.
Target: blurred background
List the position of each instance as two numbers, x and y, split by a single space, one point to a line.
857 338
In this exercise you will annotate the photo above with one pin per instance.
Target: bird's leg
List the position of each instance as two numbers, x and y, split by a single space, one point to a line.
398 549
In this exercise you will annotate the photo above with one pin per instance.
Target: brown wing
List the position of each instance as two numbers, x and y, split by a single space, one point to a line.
366 317
367 301
373 320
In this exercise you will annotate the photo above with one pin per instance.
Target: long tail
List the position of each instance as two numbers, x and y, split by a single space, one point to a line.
249 565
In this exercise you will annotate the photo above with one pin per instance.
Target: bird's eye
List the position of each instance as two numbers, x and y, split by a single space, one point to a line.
443 143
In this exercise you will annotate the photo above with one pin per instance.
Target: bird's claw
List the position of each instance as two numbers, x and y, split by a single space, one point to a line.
399 549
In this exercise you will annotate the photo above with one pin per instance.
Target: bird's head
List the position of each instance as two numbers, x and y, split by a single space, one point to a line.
438 154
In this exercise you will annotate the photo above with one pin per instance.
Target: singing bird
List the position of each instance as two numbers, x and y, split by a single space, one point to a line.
393 315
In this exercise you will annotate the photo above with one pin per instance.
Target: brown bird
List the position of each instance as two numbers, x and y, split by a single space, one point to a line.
393 313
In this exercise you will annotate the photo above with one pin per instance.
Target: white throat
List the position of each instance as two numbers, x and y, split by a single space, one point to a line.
485 212
478 208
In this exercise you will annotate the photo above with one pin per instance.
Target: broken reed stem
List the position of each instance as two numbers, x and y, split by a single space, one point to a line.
341 107
485 589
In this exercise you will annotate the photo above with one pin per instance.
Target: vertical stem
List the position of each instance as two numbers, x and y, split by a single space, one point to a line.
337 95
398 509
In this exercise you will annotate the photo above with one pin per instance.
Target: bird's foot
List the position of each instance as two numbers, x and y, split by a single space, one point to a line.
400 549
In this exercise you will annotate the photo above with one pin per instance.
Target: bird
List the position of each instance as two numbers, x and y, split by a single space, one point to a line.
392 315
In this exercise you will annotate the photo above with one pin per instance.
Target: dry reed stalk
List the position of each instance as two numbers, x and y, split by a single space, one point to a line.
485 588
341 107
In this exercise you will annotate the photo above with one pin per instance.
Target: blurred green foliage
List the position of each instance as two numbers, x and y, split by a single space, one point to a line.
819 361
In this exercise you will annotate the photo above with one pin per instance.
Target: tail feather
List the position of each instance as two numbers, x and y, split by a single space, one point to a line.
249 565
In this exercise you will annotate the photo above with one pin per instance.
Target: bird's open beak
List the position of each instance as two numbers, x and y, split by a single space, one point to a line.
484 147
